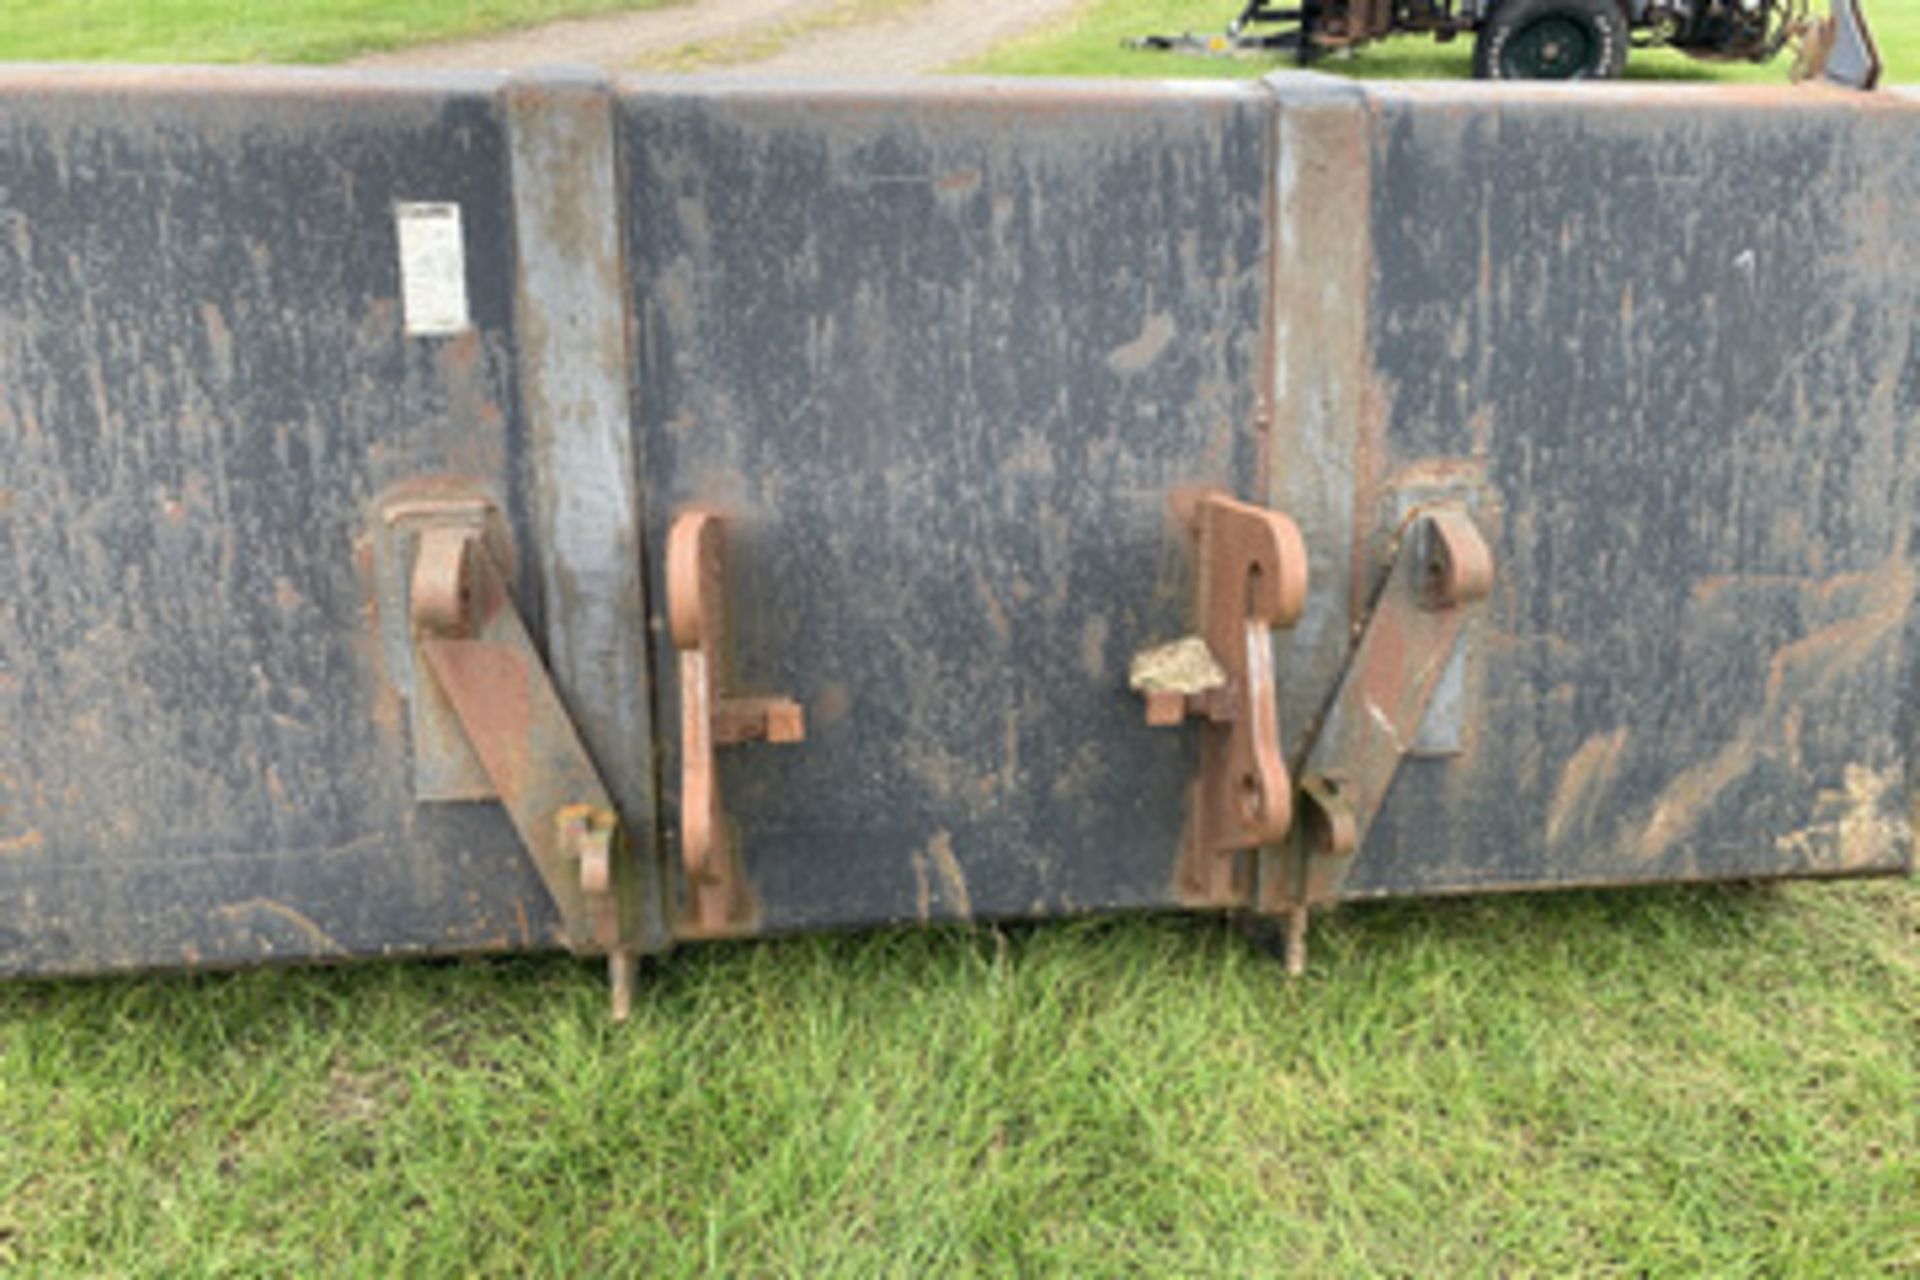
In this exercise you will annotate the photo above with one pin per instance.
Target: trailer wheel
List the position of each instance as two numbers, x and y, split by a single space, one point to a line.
1552 40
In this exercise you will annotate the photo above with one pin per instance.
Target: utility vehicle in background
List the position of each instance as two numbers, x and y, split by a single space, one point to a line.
1558 39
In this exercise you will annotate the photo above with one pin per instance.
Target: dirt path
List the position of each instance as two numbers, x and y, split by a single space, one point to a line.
788 37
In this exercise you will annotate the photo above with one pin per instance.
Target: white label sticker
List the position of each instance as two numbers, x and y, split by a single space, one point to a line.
433 269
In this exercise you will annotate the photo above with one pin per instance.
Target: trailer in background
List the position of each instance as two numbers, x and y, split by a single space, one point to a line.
1558 39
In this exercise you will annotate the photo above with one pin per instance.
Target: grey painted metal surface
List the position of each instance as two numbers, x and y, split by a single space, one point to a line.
942 355
1677 338
203 384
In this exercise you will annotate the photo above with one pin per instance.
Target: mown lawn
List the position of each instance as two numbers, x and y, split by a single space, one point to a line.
1682 1081
1666 1082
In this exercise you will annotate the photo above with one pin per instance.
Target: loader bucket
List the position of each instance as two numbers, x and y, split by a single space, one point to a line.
459 513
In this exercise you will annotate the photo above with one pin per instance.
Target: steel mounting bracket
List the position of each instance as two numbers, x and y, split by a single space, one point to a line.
1441 570
489 723
719 901
1252 578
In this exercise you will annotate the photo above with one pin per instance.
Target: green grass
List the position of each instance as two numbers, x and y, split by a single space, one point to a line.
1091 45
1684 1081
260 30
1896 30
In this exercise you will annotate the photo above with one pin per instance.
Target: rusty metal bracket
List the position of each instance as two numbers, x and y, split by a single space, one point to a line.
1441 570
1252 573
719 901
484 678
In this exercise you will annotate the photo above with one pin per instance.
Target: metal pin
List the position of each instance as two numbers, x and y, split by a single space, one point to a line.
622 968
1296 941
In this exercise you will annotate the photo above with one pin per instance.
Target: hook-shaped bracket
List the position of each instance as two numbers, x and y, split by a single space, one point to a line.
1252 574
718 899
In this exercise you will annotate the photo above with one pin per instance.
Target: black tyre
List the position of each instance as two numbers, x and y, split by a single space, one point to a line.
1552 40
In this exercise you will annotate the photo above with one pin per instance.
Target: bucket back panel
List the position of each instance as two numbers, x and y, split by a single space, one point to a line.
941 356
1673 334
204 383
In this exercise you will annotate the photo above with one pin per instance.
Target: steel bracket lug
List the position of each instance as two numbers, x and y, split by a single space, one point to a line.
1441 572
719 901
491 710
1252 576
